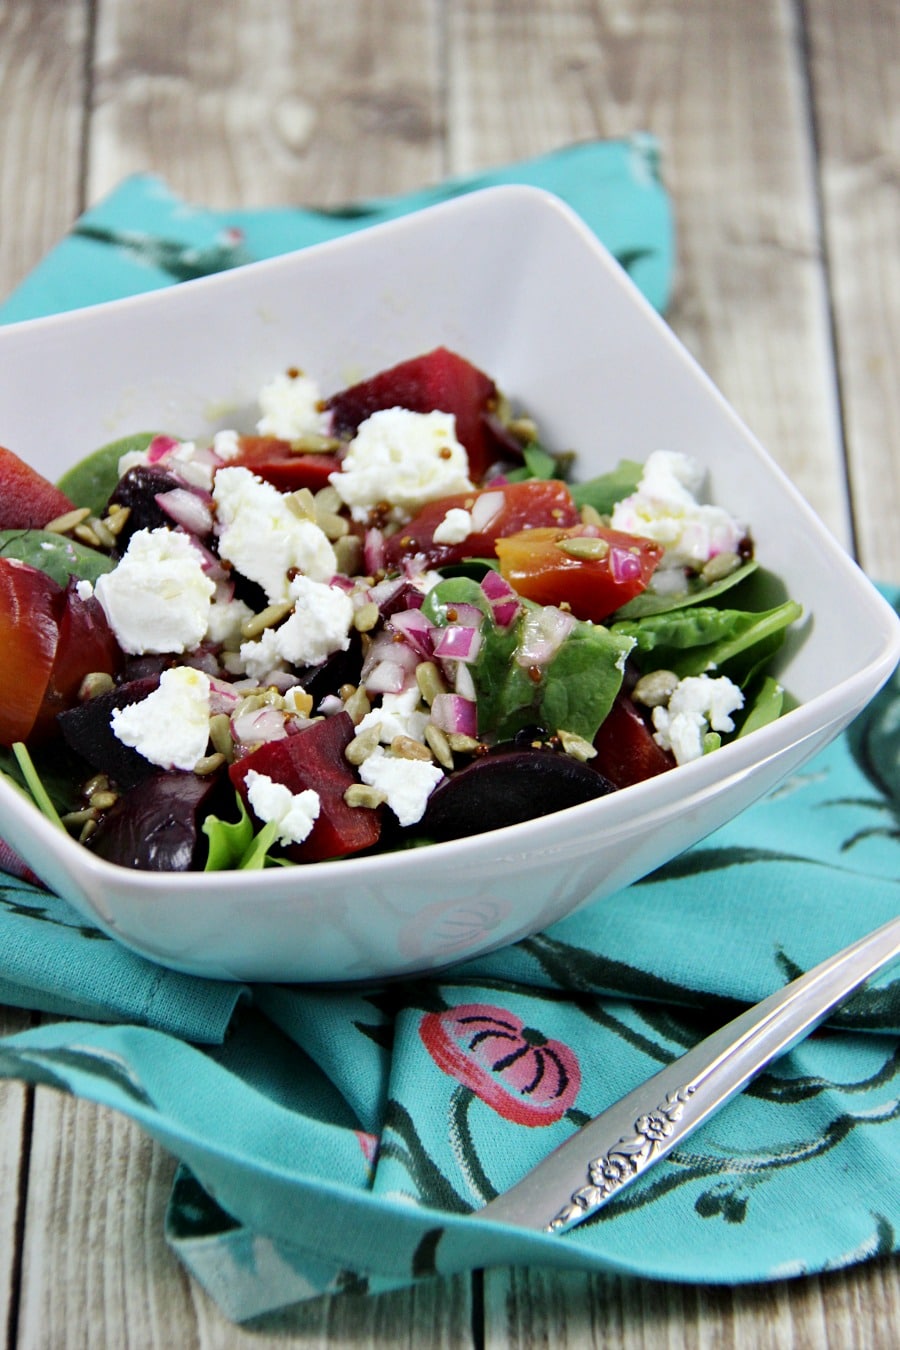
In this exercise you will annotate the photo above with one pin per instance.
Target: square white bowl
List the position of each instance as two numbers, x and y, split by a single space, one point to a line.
514 281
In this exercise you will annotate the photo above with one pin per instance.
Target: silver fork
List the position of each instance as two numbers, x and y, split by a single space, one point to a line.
617 1147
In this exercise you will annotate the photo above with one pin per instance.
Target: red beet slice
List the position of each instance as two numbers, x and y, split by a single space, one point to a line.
626 750
314 758
508 787
28 500
440 381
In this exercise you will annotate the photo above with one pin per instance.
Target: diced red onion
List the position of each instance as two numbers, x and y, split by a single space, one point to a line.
495 586
624 565
416 629
463 682
506 612
487 507
258 725
456 642
454 714
388 677
188 509
468 616
212 565
373 551
543 633
161 446
222 696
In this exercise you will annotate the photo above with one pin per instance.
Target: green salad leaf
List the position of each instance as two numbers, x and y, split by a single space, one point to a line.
574 692
606 489
698 639
93 479
697 592
55 554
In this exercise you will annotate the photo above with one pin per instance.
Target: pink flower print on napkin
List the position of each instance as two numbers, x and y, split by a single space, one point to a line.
515 1069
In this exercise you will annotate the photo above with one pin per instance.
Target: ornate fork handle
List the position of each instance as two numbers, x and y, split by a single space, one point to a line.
619 1145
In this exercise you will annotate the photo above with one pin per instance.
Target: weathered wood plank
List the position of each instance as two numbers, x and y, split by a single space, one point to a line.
15 1124
858 1308
97 1272
268 103
722 88
855 70
42 97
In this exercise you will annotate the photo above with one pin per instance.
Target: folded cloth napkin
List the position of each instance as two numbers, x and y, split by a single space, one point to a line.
339 1139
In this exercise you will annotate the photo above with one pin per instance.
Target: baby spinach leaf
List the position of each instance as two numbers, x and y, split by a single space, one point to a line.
764 706
696 640
574 691
606 489
55 554
696 592
92 480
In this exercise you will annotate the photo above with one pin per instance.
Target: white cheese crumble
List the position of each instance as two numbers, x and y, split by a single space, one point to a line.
84 589
406 783
157 599
319 625
665 508
226 444
455 527
263 538
406 458
293 813
170 727
699 703
397 715
226 618
290 407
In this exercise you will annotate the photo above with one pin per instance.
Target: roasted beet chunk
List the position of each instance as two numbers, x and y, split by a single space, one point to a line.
626 750
28 501
86 729
156 827
314 758
506 788
138 490
440 381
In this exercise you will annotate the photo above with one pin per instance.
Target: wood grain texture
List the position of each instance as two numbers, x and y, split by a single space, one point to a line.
97 1194
15 1127
855 76
269 103
43 50
858 1308
722 87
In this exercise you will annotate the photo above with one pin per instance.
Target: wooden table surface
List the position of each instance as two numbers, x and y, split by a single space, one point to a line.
780 127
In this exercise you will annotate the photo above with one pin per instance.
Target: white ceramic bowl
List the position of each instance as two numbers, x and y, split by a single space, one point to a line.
511 279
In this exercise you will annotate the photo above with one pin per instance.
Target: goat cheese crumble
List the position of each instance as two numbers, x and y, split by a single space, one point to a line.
263 538
406 783
293 813
455 527
665 508
405 458
291 408
319 625
158 597
698 704
170 727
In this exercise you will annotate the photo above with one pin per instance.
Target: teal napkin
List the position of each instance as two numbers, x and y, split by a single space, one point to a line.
338 1140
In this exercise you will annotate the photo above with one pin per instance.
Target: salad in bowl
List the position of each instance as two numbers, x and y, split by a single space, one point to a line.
390 616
